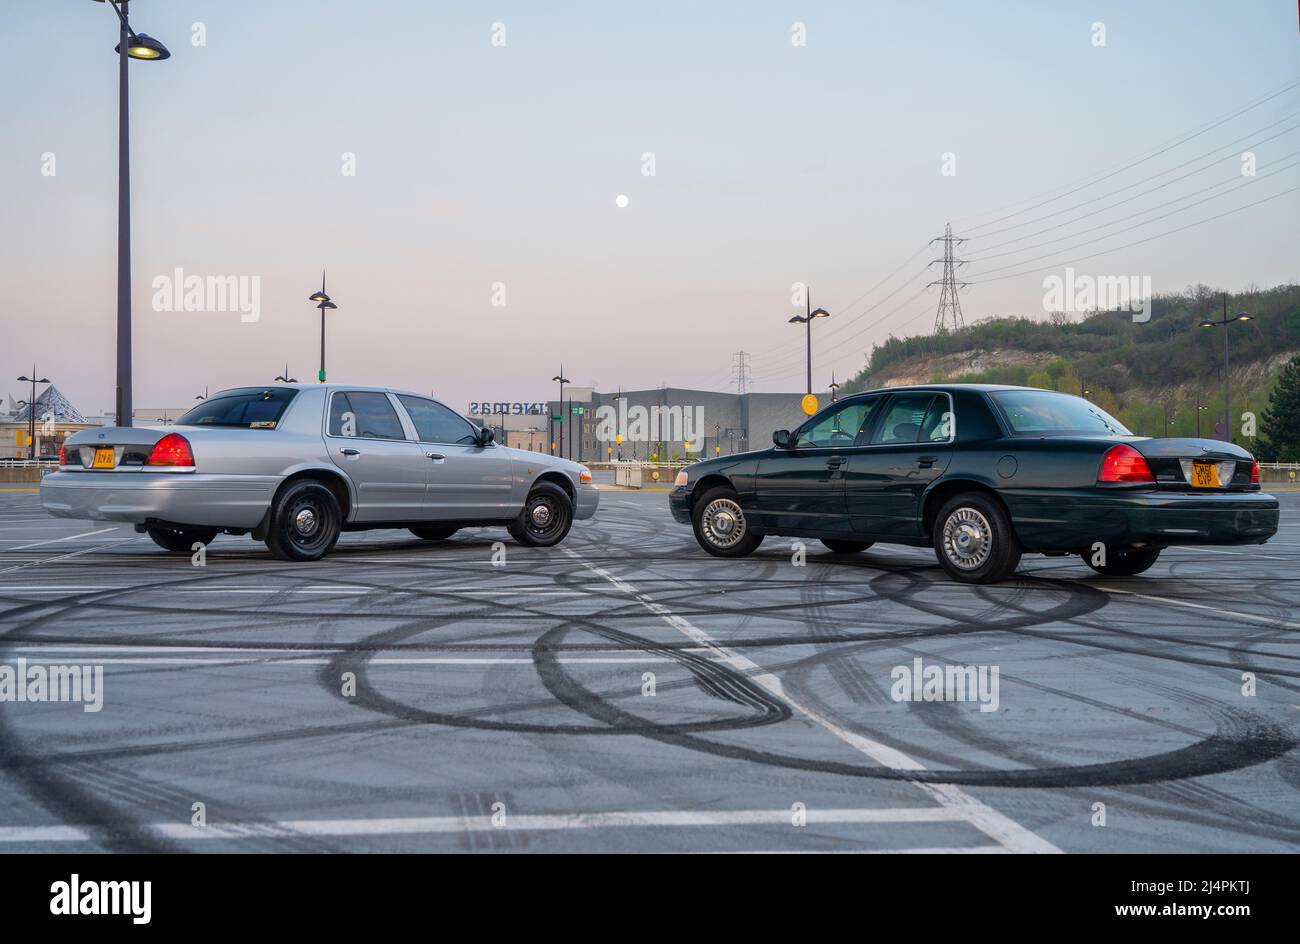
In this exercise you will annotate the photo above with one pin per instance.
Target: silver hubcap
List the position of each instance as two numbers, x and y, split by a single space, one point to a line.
541 516
967 538
305 521
723 522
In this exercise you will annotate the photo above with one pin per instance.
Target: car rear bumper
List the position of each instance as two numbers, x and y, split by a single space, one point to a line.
1070 520
588 498
219 501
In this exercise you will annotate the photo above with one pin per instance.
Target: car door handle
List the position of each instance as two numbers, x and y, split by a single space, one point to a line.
834 462
349 451
926 462
436 456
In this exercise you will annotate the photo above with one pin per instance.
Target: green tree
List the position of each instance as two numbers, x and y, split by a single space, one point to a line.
1040 378
1280 424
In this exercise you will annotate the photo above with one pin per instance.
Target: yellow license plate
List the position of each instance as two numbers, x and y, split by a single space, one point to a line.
103 459
1205 475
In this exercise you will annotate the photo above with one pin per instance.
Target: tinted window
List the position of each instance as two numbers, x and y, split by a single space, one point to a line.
364 414
1043 411
914 417
838 426
251 407
435 423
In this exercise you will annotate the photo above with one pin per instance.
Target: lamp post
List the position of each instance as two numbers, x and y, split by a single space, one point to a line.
834 387
1200 408
562 381
285 378
203 395
31 411
324 304
130 45
807 319
1227 387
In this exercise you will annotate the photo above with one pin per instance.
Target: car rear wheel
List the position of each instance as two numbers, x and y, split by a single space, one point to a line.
720 524
845 547
546 518
974 540
1124 561
433 534
181 540
305 522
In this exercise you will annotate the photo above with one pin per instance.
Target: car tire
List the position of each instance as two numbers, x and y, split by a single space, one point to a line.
305 522
546 518
181 540
839 546
974 540
431 533
720 525
1124 561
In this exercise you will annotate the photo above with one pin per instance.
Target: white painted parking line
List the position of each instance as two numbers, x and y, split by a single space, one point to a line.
1001 828
1237 614
275 661
520 822
70 537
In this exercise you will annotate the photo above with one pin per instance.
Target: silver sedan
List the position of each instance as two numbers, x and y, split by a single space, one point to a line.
295 465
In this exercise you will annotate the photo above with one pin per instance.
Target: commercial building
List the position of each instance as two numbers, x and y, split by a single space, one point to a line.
666 422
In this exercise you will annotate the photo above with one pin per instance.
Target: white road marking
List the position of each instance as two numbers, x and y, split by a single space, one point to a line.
1253 617
70 537
1003 829
520 822
291 660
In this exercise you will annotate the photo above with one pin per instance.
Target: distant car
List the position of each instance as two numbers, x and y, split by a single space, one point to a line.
983 474
296 464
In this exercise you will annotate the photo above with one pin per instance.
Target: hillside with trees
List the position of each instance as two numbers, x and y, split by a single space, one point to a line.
1162 374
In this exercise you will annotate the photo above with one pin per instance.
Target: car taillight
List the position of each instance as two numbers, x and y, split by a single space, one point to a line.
172 449
1123 463
1254 471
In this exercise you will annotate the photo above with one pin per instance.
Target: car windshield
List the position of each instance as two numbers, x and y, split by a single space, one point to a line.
1042 411
247 408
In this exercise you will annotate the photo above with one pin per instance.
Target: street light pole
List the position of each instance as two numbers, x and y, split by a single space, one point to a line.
324 303
1227 385
562 381
807 319
31 412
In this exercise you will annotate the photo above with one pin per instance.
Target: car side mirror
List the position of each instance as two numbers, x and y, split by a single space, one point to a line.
781 439
486 436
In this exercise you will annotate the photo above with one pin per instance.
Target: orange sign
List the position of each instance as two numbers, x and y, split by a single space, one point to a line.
809 404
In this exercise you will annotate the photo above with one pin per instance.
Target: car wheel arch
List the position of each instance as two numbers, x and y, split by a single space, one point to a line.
945 489
710 481
331 479
560 479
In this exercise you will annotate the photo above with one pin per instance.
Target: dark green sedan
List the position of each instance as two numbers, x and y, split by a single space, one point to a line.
983 474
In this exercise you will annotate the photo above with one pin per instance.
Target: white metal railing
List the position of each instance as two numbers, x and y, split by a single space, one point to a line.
29 463
1279 465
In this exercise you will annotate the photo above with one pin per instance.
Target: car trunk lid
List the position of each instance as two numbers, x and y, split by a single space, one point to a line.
112 448
1198 464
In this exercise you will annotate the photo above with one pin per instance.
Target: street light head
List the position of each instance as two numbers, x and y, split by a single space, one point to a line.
1208 323
1243 316
318 297
328 305
144 46
821 313
798 319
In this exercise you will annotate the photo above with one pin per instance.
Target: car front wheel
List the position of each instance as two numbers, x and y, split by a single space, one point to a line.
181 540
720 524
305 522
546 518
1124 561
974 540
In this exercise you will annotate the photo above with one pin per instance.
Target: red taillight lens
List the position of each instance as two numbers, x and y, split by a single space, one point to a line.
1254 471
1124 464
172 449
63 456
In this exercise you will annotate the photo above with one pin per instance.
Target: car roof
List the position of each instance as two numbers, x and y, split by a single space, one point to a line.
950 387
368 388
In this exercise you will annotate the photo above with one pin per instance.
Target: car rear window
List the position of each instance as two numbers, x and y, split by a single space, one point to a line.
1043 411
247 408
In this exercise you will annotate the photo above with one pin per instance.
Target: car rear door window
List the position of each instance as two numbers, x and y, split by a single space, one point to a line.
911 418
436 424
364 414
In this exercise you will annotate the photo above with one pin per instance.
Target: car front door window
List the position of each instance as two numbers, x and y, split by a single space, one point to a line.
836 429
434 423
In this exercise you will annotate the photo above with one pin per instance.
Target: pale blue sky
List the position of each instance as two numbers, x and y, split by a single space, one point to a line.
479 164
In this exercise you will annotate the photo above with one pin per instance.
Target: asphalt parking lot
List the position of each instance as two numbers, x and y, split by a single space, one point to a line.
626 692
